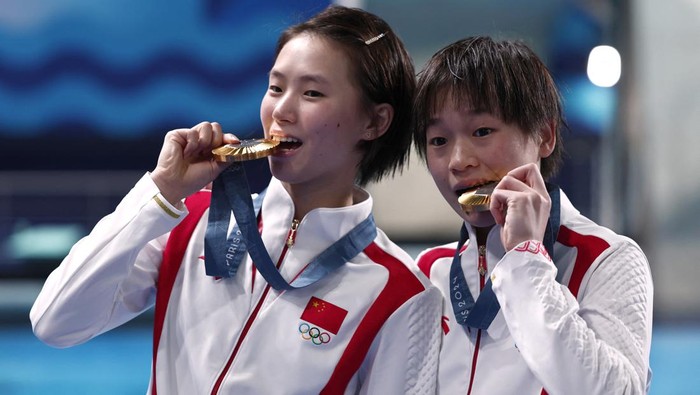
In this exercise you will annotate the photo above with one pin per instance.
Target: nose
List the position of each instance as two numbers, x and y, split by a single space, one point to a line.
283 110
462 156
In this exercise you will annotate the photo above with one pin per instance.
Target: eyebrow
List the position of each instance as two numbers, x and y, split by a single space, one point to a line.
317 78
432 121
436 120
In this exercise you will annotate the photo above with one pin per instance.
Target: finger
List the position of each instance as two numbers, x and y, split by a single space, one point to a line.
230 138
206 136
199 140
498 210
530 175
499 203
511 183
192 141
217 135
173 146
508 190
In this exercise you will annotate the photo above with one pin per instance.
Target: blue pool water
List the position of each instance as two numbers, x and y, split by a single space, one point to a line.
118 363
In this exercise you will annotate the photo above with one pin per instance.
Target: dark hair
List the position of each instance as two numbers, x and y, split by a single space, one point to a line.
385 74
503 78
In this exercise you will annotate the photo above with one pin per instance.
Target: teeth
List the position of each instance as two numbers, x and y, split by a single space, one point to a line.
285 139
475 187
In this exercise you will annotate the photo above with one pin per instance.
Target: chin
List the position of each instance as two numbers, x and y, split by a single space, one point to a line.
279 170
479 219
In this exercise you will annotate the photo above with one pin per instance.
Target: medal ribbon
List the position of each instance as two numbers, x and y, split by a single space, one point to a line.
230 192
236 249
480 313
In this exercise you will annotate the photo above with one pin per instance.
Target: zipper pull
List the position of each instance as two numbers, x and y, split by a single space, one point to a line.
292 233
482 260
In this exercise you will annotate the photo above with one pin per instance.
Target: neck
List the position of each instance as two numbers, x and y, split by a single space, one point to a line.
482 234
307 198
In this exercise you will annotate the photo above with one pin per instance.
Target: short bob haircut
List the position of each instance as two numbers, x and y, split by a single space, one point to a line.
384 73
502 78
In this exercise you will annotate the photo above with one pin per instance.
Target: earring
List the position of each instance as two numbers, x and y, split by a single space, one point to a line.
368 136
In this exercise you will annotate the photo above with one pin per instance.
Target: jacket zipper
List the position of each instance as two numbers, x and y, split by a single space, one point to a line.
483 269
291 238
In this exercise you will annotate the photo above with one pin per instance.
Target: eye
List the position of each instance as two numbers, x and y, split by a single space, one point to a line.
437 141
275 89
312 93
482 132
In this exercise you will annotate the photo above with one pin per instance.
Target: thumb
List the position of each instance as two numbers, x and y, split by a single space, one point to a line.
231 139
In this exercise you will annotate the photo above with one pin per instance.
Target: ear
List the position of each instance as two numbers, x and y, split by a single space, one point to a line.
548 139
381 116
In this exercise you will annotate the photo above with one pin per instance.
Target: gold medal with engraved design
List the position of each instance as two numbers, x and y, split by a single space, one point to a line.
245 150
477 199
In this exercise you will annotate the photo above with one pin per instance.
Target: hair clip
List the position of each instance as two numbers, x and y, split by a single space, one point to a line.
374 39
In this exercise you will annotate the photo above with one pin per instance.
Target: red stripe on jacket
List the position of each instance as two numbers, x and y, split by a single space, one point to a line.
588 249
401 286
172 259
426 261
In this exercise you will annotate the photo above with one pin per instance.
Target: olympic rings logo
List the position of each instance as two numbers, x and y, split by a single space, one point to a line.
314 334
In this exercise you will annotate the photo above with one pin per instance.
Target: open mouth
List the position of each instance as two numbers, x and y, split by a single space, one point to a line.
287 143
474 187
476 198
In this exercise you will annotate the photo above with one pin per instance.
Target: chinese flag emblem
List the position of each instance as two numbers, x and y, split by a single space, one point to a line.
324 314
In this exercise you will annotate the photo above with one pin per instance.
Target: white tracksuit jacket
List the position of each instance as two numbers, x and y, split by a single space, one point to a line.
580 327
379 331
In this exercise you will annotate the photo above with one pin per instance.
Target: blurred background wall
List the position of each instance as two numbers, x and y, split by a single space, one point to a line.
661 116
88 90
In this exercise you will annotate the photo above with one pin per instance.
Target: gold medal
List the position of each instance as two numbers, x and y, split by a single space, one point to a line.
245 150
477 199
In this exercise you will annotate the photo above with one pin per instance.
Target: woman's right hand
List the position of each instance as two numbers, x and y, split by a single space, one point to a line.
186 164
521 205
